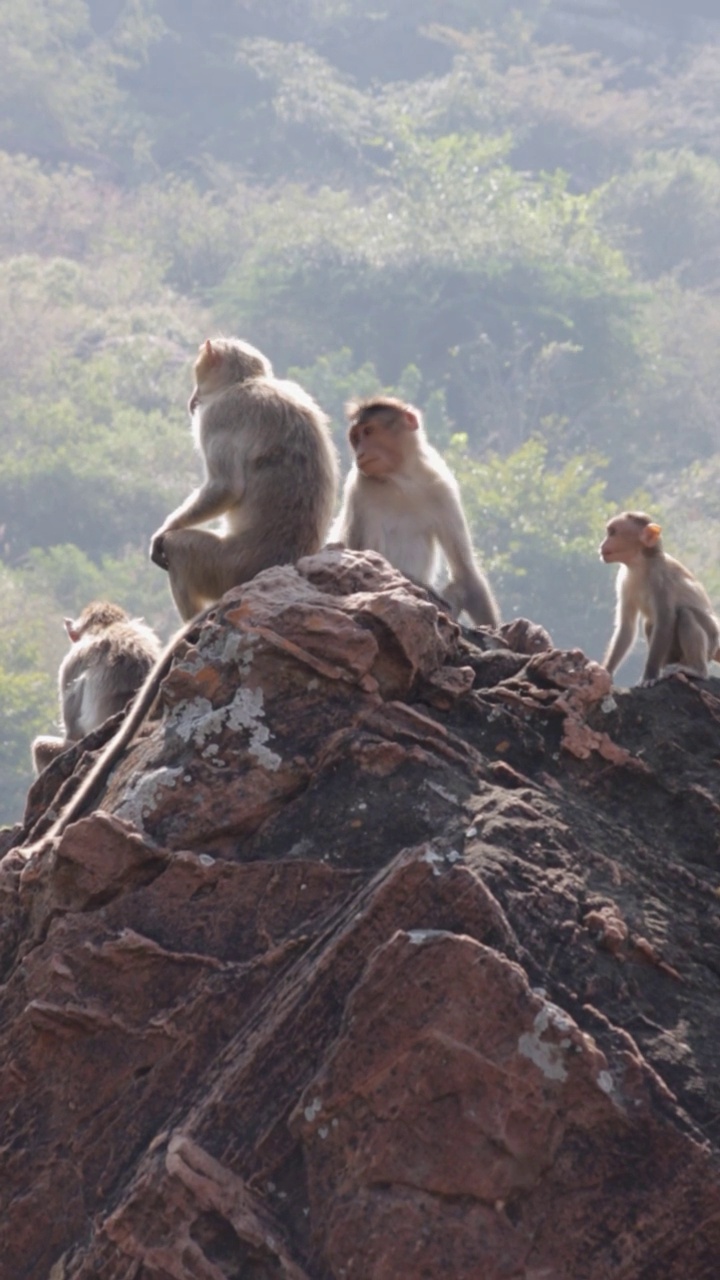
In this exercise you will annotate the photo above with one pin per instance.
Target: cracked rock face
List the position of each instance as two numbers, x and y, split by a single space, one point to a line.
387 954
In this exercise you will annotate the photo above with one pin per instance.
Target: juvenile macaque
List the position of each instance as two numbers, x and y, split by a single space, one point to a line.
680 626
270 470
110 656
402 500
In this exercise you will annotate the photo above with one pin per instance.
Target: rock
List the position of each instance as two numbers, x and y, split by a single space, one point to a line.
525 637
383 955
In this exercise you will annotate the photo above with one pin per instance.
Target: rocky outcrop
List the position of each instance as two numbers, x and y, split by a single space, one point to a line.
388 954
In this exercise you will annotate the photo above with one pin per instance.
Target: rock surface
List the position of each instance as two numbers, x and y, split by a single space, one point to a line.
388 954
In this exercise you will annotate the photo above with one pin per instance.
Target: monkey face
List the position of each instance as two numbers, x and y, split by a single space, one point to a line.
370 441
619 542
382 442
627 537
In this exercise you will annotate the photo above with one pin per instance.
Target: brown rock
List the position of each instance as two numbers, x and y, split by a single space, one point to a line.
522 636
361 973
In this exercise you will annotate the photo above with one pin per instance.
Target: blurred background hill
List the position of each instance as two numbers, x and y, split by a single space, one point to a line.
510 217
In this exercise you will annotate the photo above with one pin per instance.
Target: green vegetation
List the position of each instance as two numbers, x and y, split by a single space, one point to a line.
509 221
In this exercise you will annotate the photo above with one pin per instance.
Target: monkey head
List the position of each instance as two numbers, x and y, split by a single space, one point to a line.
95 617
223 361
628 537
383 435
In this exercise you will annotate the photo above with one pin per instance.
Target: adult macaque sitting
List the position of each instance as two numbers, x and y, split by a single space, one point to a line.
401 499
270 472
680 627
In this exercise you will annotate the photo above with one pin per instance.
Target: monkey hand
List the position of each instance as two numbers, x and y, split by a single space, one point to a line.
157 550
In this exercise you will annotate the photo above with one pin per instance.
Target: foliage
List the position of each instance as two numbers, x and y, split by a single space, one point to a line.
537 530
334 381
60 92
28 699
689 507
671 410
97 477
454 251
94 448
26 691
67 579
666 214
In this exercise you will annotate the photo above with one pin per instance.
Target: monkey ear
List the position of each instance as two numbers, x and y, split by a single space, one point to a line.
69 624
650 534
212 355
411 420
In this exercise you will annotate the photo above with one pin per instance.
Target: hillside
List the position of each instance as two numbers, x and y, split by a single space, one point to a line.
507 215
397 956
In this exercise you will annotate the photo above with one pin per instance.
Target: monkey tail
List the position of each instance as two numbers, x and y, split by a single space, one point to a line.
108 758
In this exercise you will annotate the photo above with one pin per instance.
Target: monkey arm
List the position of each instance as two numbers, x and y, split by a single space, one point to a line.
212 499
474 597
354 535
623 636
452 532
73 696
348 525
661 639
468 588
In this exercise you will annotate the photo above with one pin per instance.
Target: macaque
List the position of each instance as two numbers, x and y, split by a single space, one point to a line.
680 627
270 470
402 500
109 658
111 753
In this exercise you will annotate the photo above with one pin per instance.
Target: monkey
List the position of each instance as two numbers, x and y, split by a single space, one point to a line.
680 627
112 751
401 499
270 469
109 658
